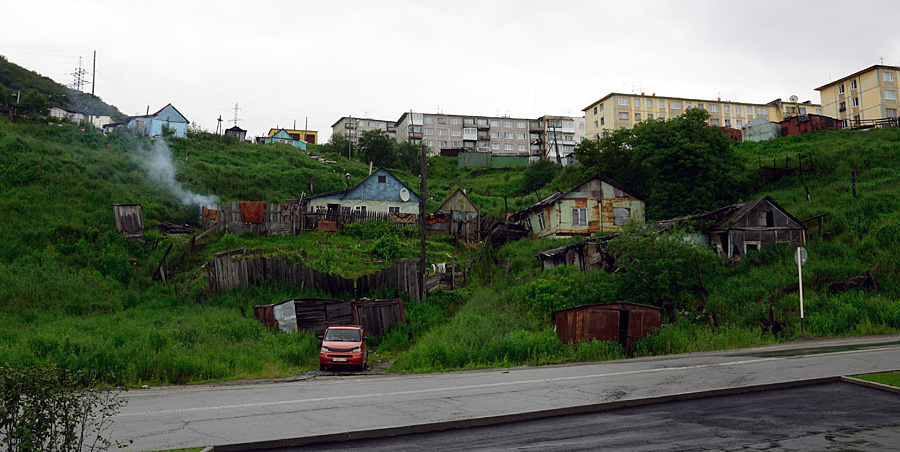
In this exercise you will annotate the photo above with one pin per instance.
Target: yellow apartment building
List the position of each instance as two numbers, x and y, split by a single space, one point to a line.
866 95
619 110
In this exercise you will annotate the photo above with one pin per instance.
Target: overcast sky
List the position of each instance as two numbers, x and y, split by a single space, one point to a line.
292 60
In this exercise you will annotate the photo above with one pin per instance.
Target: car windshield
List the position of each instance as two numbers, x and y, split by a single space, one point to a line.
340 335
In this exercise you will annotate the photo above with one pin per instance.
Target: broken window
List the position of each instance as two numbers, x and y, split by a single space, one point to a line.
621 215
541 225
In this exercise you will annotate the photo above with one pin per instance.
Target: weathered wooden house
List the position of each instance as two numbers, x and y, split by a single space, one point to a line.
624 323
463 216
598 204
586 255
129 221
380 192
738 228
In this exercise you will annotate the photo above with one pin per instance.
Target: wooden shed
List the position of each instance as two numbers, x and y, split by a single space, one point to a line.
618 322
129 221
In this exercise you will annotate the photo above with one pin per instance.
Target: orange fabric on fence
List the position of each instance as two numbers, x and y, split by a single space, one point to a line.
252 212
210 213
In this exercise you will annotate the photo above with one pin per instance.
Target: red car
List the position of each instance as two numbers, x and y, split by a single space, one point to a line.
344 346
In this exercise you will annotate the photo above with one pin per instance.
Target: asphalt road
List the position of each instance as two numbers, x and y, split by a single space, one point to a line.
273 414
831 416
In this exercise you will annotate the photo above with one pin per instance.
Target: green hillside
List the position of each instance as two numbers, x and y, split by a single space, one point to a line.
74 292
15 78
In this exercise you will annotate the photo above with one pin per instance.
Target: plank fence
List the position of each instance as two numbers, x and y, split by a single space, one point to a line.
231 270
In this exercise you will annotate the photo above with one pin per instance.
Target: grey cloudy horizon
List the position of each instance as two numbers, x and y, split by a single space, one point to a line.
318 61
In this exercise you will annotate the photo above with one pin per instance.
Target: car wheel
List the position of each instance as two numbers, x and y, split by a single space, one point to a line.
322 367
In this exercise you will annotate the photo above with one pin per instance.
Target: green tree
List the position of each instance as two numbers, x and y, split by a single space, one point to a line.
339 144
33 104
6 98
538 174
663 269
375 146
679 166
409 157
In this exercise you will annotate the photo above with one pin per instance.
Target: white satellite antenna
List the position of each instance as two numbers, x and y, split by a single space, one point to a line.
404 194
793 98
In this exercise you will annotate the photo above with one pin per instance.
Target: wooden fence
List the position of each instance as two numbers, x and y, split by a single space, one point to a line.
231 270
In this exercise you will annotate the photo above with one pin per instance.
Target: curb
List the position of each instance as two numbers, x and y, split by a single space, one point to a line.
871 384
507 418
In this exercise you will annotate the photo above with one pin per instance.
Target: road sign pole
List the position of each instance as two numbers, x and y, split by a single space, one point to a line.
800 277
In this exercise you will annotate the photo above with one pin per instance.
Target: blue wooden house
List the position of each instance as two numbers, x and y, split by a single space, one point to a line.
152 125
282 136
381 191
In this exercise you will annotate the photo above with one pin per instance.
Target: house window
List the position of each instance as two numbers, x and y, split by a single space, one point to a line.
855 102
495 146
623 101
818 111
890 112
429 131
507 135
394 209
727 123
661 104
579 216
602 120
675 105
649 103
507 123
761 112
429 120
623 116
687 106
737 109
637 102
495 123
521 124
740 123
382 179
508 147
520 136
649 116
455 132
442 132
596 124
523 147
841 88
442 120
482 122
700 106
887 76
713 108
751 246
601 107
852 84
890 94
595 110
495 134
454 121
454 144
802 110
714 122
637 117
361 210
842 106
727 108
621 215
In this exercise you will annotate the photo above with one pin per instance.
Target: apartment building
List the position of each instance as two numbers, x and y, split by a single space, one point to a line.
351 128
619 110
558 135
498 135
867 95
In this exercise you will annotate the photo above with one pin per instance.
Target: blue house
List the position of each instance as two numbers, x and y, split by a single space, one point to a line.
152 125
282 136
381 191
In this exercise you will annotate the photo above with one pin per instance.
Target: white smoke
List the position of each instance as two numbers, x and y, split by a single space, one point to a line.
160 167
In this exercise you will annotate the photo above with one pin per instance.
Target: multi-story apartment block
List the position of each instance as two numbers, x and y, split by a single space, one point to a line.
866 95
619 110
558 137
351 128
497 135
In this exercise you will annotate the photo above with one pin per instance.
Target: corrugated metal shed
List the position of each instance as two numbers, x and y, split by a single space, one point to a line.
129 221
618 322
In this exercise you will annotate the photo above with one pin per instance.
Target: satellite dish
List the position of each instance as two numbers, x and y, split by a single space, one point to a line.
404 194
793 99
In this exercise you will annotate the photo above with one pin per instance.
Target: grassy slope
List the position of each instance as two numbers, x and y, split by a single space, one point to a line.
73 291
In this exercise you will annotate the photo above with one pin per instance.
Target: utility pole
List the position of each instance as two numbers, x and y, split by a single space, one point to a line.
235 109
93 85
556 145
219 126
349 141
423 206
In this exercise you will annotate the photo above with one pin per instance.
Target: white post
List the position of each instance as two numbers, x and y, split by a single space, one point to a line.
800 276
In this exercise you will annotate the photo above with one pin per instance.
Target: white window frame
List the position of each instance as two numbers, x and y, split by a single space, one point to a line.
521 125
852 85
455 133
495 146
579 216
841 88
508 147
495 123
855 102
623 101
890 94
887 76
623 116
542 224
637 102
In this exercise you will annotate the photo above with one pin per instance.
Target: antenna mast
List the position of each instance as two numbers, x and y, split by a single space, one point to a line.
236 110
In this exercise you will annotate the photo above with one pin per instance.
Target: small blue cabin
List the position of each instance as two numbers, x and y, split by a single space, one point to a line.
381 191
152 125
282 136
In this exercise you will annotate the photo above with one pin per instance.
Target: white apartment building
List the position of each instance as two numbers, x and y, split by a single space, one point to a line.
351 128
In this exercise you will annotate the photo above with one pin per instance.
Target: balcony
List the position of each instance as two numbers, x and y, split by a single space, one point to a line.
349 125
416 135
485 126
392 129
535 127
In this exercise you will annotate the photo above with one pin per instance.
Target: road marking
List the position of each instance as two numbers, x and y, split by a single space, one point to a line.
438 390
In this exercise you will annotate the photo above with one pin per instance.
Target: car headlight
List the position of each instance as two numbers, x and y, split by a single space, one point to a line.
325 349
355 350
